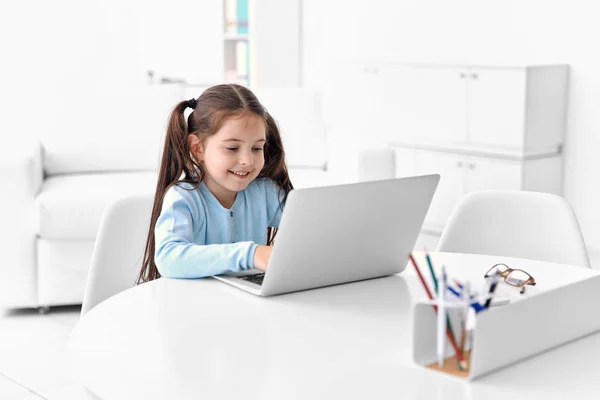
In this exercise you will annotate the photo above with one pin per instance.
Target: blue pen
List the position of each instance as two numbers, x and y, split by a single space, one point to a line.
493 285
476 306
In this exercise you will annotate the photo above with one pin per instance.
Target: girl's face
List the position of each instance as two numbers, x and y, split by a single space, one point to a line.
233 157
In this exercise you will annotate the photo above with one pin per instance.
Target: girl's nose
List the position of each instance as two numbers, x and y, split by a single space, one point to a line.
246 158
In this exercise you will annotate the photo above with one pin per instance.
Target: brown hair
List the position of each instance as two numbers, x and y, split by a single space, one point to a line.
214 106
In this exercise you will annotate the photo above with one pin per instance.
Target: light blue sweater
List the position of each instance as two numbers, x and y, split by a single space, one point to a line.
197 237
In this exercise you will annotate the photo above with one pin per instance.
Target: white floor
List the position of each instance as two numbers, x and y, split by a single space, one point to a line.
34 362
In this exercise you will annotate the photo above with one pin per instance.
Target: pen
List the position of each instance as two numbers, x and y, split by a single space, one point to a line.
435 285
450 337
466 295
414 263
476 306
493 285
441 319
454 292
430 265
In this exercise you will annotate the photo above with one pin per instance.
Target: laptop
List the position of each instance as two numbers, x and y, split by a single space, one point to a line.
339 234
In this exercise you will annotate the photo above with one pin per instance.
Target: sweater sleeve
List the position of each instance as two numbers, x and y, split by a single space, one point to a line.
177 256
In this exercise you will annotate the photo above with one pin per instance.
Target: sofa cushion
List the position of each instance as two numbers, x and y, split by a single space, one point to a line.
298 114
70 206
110 130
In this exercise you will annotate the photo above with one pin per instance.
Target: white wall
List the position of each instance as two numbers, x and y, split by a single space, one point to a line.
481 32
80 46
55 54
59 56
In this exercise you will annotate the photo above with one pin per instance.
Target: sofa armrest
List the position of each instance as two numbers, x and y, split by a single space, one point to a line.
21 176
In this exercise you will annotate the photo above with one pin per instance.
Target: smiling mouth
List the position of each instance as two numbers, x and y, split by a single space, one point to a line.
240 174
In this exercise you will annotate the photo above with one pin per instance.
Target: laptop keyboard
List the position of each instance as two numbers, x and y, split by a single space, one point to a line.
256 278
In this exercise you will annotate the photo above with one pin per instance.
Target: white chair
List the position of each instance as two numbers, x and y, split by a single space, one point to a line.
375 164
532 225
119 249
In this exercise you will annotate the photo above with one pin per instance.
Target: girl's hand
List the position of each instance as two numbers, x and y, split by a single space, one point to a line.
261 257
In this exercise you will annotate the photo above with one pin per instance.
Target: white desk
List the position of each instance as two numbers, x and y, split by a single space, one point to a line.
202 339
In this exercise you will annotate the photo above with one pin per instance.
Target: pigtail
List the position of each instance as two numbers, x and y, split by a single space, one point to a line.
275 167
175 163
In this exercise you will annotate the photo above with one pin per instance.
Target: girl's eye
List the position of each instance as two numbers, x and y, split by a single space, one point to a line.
231 148
257 149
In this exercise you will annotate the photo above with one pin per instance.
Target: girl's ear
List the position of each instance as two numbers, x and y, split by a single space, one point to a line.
195 146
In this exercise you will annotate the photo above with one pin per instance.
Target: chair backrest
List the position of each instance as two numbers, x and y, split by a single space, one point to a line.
119 249
532 225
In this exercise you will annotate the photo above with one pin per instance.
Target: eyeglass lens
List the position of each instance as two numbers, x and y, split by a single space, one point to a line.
517 278
497 269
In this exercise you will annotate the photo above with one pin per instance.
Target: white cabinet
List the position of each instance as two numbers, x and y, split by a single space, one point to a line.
487 174
497 109
518 109
461 174
480 128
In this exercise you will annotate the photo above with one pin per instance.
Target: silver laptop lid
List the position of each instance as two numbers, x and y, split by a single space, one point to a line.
337 234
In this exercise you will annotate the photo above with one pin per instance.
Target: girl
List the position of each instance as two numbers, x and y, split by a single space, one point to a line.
221 188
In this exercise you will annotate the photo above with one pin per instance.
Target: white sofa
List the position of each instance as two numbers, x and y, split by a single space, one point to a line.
55 187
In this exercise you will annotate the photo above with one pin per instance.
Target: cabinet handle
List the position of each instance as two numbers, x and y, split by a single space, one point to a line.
474 76
463 75
459 164
471 166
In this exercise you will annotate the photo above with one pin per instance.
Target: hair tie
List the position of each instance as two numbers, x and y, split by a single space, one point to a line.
191 103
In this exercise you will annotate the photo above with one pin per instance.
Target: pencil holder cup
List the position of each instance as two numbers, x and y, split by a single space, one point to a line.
425 340
531 326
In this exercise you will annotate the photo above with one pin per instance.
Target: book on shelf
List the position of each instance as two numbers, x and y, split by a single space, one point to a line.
242 16
231 24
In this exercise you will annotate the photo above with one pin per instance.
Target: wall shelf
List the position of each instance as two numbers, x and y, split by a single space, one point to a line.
236 36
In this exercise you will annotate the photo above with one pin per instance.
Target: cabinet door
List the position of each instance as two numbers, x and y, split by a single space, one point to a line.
496 107
450 188
486 174
421 103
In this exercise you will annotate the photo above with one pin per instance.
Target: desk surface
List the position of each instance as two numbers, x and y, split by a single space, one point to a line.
191 339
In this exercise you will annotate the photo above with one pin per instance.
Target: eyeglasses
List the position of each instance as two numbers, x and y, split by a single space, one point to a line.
514 277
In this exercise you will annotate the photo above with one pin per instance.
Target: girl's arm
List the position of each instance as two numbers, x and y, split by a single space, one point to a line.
181 259
177 256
